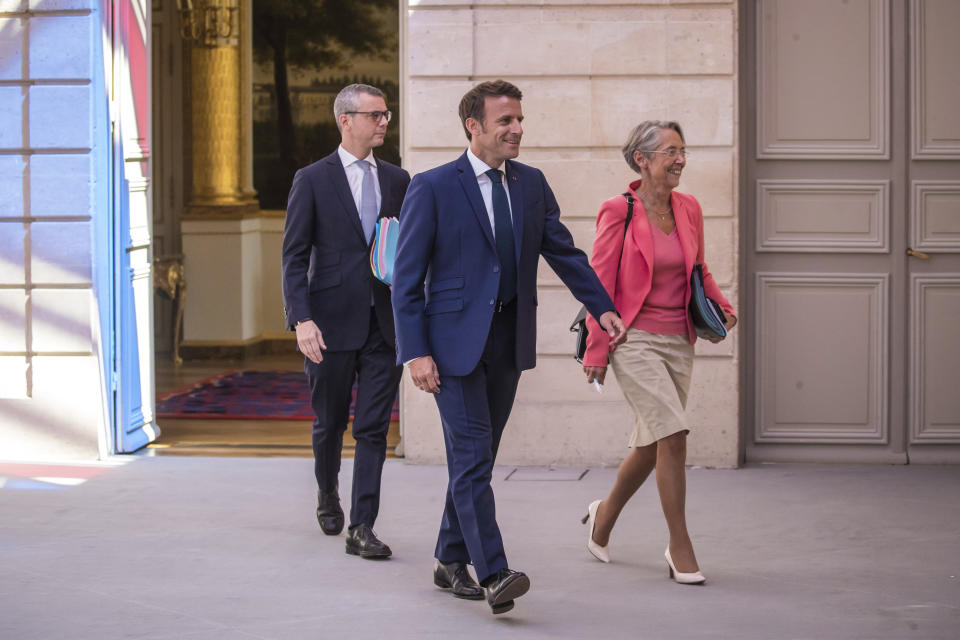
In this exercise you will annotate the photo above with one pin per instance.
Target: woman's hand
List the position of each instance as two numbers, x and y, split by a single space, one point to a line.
729 324
595 373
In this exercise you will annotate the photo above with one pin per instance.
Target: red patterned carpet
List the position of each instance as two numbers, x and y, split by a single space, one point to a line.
245 395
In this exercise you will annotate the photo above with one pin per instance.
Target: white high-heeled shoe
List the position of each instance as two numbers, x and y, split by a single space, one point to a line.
598 552
682 578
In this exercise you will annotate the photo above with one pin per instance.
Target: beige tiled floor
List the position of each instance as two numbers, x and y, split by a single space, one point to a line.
237 438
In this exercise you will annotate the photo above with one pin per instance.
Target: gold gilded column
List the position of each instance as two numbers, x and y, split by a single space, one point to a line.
216 125
217 131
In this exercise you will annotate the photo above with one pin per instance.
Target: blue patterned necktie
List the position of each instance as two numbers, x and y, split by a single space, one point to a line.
368 201
503 231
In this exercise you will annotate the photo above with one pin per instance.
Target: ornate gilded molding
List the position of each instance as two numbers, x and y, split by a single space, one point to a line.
209 23
239 211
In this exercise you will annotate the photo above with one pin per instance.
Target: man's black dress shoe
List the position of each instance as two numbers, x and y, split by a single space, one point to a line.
456 577
503 586
329 513
363 542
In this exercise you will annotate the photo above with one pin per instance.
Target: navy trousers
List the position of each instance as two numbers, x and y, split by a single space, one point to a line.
474 410
331 383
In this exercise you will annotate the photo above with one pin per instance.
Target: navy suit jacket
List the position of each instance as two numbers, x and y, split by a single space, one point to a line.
326 258
447 272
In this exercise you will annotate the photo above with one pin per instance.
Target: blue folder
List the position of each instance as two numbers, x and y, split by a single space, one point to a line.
708 318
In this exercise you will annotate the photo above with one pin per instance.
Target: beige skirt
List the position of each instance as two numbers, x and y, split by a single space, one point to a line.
654 372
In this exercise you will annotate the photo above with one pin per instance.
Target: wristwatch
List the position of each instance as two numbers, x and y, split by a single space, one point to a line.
300 322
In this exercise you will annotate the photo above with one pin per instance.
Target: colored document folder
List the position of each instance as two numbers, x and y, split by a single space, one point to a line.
384 249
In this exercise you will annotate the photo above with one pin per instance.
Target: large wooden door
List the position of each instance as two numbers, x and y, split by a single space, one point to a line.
852 151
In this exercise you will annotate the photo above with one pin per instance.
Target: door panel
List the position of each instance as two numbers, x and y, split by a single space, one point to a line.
935 88
935 216
935 352
814 50
821 375
816 216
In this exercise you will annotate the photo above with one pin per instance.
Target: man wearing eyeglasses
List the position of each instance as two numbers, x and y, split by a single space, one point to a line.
342 315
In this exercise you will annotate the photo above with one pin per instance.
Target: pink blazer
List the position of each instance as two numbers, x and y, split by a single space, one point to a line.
630 284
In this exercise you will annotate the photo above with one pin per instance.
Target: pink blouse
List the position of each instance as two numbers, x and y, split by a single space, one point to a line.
664 311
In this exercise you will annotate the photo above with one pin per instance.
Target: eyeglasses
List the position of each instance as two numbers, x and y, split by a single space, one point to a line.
672 152
374 115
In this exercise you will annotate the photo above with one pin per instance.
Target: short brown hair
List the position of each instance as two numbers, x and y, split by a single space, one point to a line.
473 102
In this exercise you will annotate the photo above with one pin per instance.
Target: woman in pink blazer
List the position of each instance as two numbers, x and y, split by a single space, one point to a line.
646 270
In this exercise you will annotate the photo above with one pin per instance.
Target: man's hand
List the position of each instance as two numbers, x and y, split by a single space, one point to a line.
310 340
423 372
614 327
595 373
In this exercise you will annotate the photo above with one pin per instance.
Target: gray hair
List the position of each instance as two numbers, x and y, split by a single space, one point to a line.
347 99
645 137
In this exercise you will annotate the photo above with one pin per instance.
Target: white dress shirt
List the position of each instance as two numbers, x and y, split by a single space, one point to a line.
480 169
354 171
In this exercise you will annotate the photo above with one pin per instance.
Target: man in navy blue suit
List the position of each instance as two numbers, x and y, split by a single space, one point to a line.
341 313
465 301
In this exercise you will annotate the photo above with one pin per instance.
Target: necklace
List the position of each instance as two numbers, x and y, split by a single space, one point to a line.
660 216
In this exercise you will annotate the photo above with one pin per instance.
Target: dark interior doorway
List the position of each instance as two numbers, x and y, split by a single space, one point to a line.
305 51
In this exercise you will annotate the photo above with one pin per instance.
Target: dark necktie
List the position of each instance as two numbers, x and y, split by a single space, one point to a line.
368 201
503 232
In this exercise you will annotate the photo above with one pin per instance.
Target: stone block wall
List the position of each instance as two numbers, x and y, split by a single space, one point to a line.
51 400
590 71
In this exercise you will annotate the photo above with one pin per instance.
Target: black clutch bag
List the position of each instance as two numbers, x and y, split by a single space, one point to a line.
708 318
579 325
